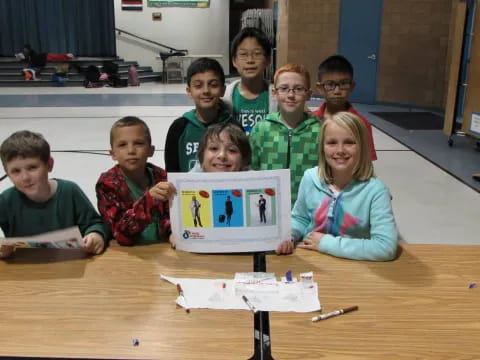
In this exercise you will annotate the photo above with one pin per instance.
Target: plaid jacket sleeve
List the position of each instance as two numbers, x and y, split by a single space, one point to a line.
127 219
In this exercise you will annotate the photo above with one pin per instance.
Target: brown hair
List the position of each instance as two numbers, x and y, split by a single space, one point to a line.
295 68
364 169
24 144
237 136
130 121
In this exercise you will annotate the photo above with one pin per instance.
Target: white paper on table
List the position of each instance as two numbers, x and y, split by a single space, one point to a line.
210 294
69 238
200 220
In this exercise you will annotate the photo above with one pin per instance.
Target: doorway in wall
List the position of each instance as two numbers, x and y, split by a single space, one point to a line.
359 42
237 7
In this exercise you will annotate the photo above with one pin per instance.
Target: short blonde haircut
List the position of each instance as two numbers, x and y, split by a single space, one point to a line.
364 169
295 68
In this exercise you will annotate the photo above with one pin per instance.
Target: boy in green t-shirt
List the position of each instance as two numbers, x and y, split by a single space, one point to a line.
288 139
37 204
250 97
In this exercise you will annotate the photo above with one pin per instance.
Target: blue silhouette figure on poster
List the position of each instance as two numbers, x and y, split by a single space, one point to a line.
227 208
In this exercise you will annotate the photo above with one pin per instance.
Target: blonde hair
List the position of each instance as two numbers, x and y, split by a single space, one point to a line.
295 68
364 169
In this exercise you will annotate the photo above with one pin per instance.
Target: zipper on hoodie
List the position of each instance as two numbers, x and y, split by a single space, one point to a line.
332 212
289 144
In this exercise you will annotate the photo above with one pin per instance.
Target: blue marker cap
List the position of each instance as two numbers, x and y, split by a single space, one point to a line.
288 275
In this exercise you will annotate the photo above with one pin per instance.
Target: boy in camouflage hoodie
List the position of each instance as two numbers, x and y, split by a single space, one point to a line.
288 139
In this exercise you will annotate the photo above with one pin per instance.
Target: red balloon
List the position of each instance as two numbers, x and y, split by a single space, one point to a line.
204 194
270 192
237 193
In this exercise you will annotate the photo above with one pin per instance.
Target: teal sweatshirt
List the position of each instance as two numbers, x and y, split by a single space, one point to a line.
358 222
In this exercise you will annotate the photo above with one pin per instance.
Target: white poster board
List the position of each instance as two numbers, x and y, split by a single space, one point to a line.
69 238
245 211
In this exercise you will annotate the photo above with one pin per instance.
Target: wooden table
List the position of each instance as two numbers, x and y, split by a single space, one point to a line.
57 303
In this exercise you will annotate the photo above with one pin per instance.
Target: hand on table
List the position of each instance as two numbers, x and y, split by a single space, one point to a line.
285 247
312 241
6 251
93 243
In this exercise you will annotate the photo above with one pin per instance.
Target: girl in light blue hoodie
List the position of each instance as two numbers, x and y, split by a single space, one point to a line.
342 209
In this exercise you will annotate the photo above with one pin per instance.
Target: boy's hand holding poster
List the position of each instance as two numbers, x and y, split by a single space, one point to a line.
245 211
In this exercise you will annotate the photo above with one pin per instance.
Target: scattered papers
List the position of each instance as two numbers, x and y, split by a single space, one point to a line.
69 238
263 291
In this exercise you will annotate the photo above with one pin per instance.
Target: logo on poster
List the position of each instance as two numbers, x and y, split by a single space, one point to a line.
194 235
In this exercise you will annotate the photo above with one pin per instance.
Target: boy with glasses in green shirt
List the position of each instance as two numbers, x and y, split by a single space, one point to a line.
288 139
335 84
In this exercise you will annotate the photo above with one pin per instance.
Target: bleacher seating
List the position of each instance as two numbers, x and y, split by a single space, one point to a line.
11 72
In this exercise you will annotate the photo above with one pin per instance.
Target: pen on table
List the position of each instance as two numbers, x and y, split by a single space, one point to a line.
180 292
334 313
249 304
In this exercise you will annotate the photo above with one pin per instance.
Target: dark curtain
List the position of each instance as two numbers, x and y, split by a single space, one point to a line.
81 27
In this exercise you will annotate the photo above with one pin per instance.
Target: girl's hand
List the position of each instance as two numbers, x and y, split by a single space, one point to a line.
285 247
312 241
162 191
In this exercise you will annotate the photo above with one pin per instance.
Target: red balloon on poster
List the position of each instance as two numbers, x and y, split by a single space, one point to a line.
270 192
237 193
204 194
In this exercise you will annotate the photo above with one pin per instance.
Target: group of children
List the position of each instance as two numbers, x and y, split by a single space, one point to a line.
339 207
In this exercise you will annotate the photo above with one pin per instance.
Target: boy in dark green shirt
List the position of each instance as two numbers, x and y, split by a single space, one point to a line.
37 204
206 85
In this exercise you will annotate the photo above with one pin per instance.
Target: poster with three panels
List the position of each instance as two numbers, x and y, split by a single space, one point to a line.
231 212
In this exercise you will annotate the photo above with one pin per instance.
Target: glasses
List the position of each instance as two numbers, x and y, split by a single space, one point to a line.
256 55
342 85
297 90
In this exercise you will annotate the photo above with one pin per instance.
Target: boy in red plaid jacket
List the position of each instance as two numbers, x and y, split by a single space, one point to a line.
133 195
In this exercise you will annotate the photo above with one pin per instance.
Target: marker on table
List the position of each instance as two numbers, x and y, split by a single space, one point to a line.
288 276
334 313
249 304
180 292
